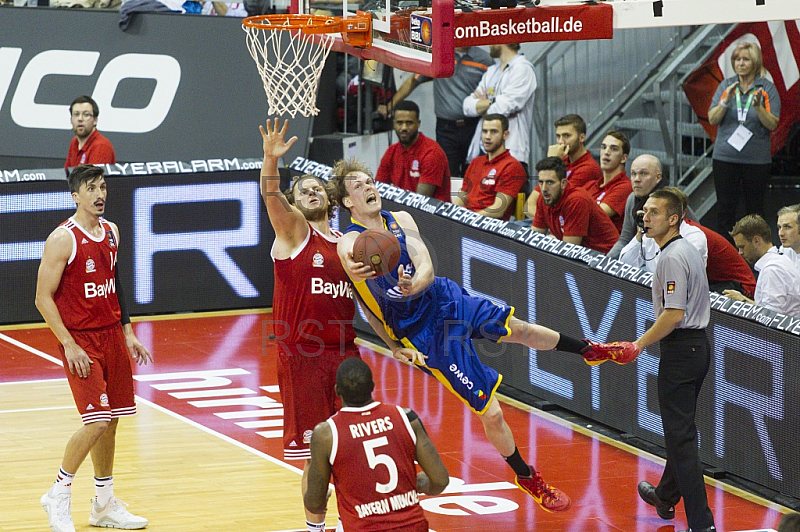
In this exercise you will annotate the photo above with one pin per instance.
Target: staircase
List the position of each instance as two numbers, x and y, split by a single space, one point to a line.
648 105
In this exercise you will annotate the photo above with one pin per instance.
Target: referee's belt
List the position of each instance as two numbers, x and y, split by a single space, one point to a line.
472 121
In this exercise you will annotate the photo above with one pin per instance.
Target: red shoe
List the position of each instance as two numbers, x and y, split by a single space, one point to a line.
619 352
549 498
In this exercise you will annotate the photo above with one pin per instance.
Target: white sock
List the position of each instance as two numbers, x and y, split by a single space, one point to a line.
339 526
104 490
63 484
315 527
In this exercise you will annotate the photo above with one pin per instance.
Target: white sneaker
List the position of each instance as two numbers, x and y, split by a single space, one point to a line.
58 508
114 515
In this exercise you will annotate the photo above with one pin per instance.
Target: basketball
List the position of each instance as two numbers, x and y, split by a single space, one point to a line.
378 248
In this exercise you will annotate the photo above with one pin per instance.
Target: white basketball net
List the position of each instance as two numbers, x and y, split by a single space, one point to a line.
290 63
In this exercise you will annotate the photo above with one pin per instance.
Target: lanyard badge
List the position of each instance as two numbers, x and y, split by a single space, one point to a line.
742 112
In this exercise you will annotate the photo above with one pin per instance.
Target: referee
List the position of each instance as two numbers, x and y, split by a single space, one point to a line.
682 309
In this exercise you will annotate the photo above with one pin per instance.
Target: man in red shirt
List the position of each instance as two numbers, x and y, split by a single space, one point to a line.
415 163
80 297
493 180
569 212
582 169
614 189
359 445
88 146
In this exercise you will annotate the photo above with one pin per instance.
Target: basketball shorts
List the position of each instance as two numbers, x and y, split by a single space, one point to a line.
306 387
108 390
447 341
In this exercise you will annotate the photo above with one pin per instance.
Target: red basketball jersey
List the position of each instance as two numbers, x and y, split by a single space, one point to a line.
312 302
87 295
372 463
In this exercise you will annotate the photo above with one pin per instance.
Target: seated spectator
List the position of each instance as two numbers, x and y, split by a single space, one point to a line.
646 176
569 212
506 88
224 9
415 163
454 130
582 169
492 181
789 232
613 191
778 285
643 251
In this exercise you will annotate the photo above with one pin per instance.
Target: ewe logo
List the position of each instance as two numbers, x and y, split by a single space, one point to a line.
27 113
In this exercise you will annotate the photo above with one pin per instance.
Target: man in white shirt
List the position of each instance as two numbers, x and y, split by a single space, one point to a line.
789 233
778 285
506 88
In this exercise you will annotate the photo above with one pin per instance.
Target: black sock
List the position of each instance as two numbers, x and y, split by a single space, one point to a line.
570 344
518 464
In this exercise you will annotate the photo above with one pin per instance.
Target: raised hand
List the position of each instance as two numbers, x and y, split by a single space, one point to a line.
274 145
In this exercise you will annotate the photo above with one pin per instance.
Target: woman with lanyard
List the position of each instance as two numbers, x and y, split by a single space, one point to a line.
746 107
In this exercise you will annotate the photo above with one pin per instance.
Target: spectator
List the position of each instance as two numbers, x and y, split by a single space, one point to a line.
778 286
507 89
569 212
415 163
224 9
646 176
582 169
454 130
612 193
746 107
492 181
790 523
789 232
88 146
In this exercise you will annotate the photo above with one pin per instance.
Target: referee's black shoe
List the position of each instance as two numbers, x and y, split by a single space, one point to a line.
648 494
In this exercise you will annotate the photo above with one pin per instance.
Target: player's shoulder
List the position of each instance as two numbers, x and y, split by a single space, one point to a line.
404 218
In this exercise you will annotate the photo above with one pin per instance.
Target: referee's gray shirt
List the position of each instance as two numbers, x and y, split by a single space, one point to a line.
449 93
680 282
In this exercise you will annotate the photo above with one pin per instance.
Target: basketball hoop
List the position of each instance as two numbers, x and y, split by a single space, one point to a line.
291 66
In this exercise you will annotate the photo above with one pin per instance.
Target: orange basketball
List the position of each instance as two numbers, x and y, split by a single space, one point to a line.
379 249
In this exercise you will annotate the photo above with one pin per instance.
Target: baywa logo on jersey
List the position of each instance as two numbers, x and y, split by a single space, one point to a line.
318 261
103 399
561 220
111 241
90 267
307 436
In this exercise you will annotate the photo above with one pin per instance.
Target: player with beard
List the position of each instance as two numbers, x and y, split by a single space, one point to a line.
568 212
313 306
88 146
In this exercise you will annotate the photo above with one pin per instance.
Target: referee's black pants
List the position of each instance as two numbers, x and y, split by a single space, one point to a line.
455 136
685 357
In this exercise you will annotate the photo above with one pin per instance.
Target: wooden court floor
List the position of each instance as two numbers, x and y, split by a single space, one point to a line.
204 451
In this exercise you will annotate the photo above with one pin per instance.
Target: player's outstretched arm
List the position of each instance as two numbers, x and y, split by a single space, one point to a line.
288 222
420 256
319 472
57 250
434 478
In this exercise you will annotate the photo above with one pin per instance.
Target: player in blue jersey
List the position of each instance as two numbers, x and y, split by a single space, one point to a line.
431 321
